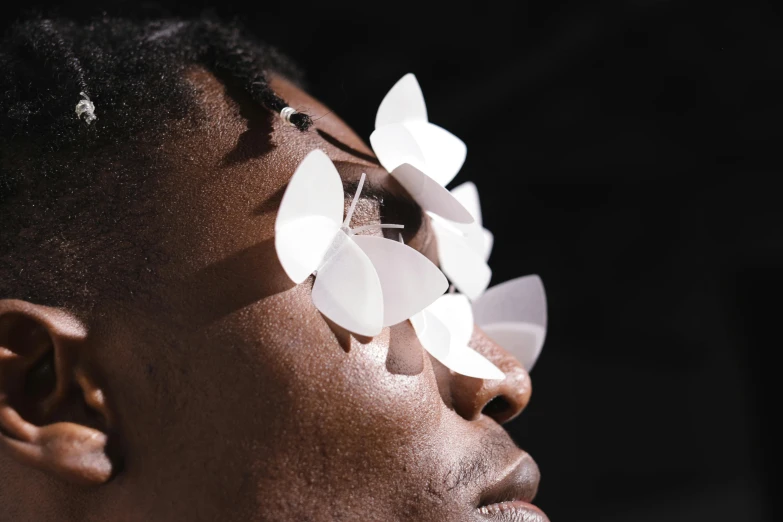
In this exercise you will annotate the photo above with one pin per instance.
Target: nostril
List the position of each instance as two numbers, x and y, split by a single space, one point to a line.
498 408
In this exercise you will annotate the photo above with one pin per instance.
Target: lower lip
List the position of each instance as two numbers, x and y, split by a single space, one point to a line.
513 511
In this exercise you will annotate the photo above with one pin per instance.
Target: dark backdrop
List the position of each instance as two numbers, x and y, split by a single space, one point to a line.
625 152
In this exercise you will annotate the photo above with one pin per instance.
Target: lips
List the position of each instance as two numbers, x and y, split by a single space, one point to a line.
510 497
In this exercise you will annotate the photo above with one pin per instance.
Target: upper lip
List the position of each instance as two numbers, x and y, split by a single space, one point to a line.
520 482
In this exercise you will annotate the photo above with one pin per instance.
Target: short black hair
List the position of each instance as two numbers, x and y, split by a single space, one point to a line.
71 190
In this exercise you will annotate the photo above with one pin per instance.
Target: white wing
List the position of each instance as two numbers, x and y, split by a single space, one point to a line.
444 153
404 102
514 315
403 135
409 281
310 215
430 195
489 241
467 194
347 289
461 261
519 300
394 144
454 313
468 361
522 340
433 334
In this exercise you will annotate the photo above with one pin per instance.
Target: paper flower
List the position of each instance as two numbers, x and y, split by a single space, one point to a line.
463 249
514 315
423 157
362 283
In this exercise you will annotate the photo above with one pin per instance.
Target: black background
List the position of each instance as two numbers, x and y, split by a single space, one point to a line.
627 153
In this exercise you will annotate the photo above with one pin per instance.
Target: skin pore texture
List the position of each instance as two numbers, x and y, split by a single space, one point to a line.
228 396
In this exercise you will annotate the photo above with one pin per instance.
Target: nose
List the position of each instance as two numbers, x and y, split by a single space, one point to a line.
500 399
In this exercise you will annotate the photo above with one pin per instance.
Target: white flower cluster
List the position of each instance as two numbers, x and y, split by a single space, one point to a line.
364 283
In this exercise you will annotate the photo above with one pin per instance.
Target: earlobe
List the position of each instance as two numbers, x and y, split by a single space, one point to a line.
42 423
70 451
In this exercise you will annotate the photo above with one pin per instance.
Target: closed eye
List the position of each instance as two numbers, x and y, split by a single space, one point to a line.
391 209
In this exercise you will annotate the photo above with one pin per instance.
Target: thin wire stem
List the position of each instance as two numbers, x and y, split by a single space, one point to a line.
374 227
354 201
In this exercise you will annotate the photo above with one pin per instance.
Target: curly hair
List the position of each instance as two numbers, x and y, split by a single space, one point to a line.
72 190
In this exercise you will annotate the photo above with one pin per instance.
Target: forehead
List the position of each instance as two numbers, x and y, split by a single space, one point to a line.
261 133
229 174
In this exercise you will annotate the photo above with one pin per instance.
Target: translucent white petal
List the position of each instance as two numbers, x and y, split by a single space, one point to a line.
475 237
394 145
433 334
489 241
461 261
470 233
347 289
448 322
430 195
301 245
404 102
409 281
444 153
455 312
519 300
514 315
310 213
468 361
467 194
522 340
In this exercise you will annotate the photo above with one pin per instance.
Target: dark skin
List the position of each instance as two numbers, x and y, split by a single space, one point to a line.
230 397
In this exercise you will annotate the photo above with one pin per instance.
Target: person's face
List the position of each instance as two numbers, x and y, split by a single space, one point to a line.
234 399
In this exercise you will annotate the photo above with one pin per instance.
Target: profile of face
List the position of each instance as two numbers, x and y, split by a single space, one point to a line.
227 395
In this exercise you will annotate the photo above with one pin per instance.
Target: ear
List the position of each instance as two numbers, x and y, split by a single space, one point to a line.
53 416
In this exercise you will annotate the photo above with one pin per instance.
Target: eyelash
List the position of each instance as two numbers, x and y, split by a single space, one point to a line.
393 210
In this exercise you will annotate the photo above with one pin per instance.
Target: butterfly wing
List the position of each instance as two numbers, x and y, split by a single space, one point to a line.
404 102
444 153
467 194
461 260
310 215
522 340
394 145
467 361
409 281
432 333
348 290
514 314
430 195
403 135
489 241
454 312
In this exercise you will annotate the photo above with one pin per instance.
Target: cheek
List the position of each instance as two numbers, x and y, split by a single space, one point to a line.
343 405
352 416
333 380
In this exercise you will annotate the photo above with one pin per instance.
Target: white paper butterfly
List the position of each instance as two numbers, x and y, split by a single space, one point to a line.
513 314
463 249
362 283
423 157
